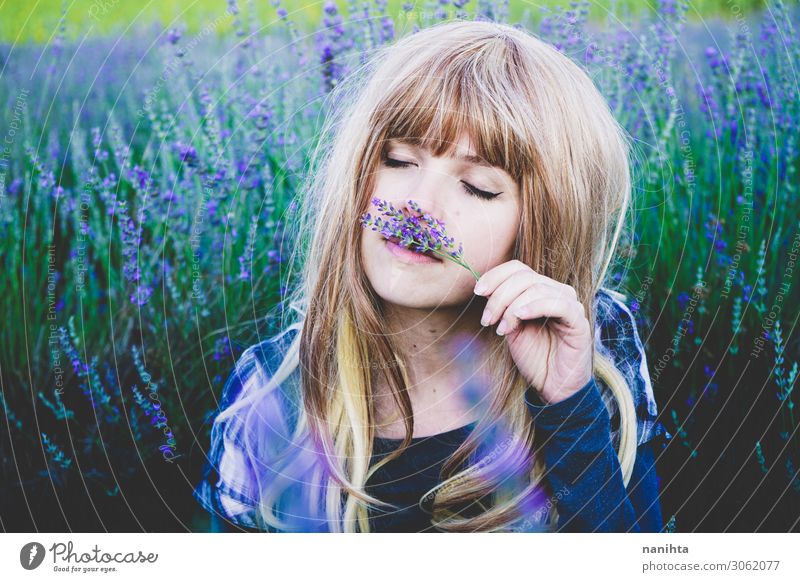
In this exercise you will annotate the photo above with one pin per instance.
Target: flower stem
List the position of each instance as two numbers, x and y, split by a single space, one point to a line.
462 263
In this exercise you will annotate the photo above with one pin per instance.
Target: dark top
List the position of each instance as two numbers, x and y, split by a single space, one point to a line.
578 452
406 479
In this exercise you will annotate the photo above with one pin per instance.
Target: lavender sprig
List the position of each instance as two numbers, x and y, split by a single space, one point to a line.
419 233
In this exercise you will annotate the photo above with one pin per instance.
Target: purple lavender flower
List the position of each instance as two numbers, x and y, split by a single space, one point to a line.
222 347
244 272
423 235
713 57
187 153
173 35
141 295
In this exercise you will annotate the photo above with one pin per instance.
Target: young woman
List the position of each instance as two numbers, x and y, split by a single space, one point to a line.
357 417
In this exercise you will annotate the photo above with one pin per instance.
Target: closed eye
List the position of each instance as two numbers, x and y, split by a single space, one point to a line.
478 192
392 163
469 188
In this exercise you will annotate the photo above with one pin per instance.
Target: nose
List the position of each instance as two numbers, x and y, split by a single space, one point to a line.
428 191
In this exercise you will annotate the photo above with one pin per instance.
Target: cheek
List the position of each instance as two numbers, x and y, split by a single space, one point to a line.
385 181
367 249
490 237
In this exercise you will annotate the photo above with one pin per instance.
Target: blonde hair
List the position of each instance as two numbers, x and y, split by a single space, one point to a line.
531 111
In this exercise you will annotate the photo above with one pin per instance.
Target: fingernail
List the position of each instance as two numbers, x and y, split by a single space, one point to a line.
501 329
480 289
485 318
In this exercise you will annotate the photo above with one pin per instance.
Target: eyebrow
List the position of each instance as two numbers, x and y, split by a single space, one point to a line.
468 158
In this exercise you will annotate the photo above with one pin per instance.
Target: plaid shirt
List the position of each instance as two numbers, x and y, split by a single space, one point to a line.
228 485
616 336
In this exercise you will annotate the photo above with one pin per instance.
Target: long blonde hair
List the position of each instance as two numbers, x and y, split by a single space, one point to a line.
531 111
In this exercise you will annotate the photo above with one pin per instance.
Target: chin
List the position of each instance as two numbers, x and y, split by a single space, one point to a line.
407 293
419 293
412 286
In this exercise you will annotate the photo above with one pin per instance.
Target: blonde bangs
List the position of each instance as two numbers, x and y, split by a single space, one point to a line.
444 98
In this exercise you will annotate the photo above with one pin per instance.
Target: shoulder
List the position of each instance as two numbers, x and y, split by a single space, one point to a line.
255 377
617 337
255 367
254 420
616 333
612 312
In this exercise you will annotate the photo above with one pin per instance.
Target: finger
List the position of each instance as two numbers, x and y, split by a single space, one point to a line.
510 322
567 290
492 278
557 306
505 294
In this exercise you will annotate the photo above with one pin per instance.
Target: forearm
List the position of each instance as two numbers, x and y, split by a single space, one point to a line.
583 467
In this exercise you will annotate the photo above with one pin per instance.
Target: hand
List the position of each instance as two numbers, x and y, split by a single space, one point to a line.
519 299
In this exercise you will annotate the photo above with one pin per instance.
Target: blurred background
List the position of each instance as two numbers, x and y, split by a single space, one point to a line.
38 23
149 165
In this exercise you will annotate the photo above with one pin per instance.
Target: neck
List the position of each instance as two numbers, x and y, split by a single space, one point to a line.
435 345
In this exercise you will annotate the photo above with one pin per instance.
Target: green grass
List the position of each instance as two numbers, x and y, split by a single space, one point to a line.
38 21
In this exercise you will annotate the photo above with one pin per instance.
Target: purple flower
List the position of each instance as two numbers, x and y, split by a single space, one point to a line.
140 177
15 186
683 299
173 35
244 272
712 57
422 236
222 347
187 153
141 295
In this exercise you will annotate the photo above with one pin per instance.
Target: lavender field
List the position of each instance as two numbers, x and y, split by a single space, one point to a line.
148 189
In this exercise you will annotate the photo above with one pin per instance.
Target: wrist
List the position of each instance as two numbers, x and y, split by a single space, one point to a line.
553 397
578 409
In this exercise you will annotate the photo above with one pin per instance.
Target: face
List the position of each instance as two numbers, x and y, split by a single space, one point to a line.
479 204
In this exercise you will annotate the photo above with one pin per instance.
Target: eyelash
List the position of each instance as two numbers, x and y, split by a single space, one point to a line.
470 189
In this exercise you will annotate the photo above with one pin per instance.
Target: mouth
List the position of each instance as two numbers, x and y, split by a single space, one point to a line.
401 251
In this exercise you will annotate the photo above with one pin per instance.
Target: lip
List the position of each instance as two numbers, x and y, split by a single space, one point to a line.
408 256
